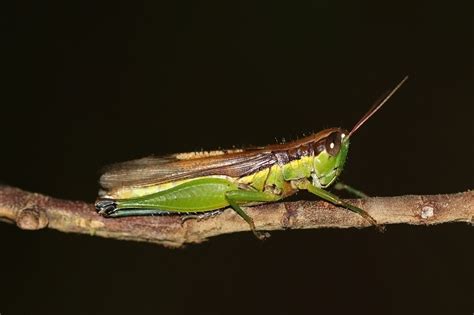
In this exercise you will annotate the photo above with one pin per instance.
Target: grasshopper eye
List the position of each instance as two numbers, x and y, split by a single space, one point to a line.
333 143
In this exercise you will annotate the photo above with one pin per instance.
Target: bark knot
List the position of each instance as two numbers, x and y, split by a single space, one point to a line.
33 218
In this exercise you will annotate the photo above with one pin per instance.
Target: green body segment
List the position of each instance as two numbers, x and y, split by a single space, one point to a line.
210 193
195 182
198 195
207 193
203 194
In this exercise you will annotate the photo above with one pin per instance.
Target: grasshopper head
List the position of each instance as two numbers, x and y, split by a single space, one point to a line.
329 163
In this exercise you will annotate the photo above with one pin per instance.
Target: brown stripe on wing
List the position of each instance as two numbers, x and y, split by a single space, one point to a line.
233 163
156 170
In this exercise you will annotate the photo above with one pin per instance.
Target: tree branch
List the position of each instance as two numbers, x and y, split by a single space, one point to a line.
31 211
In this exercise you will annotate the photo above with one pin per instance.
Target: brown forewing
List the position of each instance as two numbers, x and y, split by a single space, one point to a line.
233 163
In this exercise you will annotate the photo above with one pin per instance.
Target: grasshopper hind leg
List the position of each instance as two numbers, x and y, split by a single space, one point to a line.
105 207
110 209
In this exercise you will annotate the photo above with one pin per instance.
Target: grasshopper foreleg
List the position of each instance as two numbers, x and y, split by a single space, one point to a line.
350 189
306 185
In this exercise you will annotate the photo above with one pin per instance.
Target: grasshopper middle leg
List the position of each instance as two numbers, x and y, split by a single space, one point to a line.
234 197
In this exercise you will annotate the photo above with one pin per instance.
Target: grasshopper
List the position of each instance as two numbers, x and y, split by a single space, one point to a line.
203 182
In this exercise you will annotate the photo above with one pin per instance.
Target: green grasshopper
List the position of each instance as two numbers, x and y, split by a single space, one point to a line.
203 182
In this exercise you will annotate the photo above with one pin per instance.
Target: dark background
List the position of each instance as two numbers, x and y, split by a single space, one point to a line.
90 84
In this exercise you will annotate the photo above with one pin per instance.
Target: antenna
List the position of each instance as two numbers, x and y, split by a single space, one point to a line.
376 106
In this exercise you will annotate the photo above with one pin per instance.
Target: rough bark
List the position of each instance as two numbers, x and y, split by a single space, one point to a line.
32 211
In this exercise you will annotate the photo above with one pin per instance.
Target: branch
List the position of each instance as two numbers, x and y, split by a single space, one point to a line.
31 211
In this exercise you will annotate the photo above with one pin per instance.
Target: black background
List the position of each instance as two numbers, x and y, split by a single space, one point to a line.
89 84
